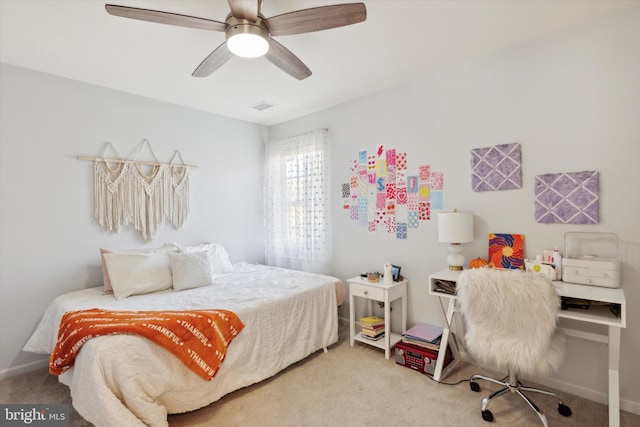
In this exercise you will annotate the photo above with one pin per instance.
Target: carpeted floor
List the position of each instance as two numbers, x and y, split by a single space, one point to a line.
348 386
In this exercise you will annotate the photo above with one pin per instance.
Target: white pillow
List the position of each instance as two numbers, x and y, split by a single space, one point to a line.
138 273
218 256
190 270
168 247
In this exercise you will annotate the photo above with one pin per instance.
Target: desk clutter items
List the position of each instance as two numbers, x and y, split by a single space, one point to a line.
555 259
372 328
545 268
388 277
591 258
444 286
478 263
548 264
371 276
423 335
143 193
585 304
419 348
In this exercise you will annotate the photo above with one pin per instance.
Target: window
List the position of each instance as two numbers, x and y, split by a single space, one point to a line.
297 202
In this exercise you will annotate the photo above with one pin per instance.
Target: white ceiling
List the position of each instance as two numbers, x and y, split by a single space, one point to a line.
400 40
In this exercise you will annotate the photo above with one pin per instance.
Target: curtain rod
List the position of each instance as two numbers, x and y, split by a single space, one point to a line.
139 162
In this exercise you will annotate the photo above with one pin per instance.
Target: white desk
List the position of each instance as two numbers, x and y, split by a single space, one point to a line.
595 314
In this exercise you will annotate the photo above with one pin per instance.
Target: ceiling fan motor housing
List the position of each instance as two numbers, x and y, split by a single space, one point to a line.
245 38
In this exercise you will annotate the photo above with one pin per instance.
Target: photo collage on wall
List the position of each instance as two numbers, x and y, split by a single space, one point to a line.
384 194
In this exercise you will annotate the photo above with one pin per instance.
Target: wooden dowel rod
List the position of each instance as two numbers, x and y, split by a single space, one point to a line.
140 162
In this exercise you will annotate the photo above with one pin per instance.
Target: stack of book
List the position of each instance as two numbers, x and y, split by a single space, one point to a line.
423 335
372 327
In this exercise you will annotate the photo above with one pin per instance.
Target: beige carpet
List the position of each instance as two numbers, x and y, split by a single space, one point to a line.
348 386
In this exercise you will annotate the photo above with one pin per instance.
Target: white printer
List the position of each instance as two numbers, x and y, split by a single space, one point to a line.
591 259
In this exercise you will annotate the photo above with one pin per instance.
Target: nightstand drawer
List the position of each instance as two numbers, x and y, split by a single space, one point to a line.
365 291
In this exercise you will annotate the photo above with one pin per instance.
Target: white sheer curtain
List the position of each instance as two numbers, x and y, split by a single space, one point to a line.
297 229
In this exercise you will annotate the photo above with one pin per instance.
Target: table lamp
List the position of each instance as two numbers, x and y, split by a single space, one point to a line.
455 228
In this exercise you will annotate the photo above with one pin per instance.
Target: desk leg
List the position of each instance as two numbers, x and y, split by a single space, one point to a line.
444 342
614 376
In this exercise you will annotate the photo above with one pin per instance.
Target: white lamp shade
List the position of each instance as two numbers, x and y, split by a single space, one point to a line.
455 227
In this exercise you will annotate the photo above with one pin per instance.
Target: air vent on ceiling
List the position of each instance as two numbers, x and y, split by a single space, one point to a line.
263 105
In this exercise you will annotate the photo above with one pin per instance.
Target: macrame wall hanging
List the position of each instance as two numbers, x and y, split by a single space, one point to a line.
145 194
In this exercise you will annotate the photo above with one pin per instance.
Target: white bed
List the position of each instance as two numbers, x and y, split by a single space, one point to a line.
126 380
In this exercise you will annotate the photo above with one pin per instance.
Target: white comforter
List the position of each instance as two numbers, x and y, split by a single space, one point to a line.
126 380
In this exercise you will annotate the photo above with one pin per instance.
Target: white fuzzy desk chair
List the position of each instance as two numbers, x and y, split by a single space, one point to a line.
511 321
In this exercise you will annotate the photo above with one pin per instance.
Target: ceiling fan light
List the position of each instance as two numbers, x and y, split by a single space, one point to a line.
247 41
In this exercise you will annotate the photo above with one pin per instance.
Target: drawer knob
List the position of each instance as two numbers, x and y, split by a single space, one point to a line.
366 292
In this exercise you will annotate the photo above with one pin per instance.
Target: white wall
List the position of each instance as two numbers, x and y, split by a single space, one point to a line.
572 101
49 239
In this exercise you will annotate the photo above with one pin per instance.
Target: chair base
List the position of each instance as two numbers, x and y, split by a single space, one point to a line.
513 385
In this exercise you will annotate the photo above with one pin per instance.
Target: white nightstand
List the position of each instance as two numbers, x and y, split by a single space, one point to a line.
378 291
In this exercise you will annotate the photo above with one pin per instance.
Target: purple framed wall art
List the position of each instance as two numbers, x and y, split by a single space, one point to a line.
496 168
567 198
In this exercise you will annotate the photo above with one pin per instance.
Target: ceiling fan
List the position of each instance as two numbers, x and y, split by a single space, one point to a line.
249 34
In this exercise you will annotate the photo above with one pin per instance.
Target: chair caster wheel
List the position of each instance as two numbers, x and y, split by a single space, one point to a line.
564 410
487 415
474 386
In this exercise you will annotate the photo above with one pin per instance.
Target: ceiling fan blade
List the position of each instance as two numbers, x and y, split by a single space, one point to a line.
165 18
215 60
316 19
284 59
245 9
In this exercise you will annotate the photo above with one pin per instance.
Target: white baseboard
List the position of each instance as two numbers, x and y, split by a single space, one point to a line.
576 390
630 406
587 393
22 369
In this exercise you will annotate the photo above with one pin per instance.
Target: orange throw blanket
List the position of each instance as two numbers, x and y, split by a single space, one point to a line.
199 338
